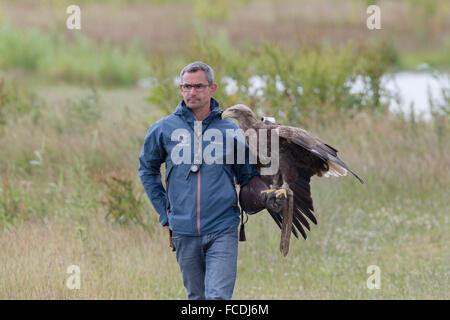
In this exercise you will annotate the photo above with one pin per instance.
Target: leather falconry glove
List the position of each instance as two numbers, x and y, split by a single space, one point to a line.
252 200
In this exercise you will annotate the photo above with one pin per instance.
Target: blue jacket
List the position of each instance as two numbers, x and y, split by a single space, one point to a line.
201 202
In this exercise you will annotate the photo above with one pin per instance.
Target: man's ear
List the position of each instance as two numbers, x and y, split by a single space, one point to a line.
213 88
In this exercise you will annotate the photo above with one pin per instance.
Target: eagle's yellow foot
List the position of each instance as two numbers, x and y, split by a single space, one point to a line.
280 192
268 191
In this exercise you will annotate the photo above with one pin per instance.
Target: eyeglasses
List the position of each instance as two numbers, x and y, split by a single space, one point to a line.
198 87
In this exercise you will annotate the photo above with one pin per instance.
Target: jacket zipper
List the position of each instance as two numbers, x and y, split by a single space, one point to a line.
198 203
198 173
199 183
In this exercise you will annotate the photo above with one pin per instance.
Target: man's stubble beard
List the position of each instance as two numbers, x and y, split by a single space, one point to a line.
196 106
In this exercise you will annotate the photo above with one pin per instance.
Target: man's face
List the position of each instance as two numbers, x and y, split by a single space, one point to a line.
196 98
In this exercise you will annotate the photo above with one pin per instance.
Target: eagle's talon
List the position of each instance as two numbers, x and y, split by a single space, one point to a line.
268 191
281 191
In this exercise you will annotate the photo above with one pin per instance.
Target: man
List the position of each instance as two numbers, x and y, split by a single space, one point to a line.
199 202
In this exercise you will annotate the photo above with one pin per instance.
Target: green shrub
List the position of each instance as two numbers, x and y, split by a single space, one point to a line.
123 203
16 101
23 49
295 84
81 60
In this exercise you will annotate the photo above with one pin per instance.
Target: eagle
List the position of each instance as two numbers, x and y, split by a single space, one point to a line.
301 155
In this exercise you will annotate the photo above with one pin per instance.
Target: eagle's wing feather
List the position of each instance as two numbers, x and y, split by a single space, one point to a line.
314 145
278 220
303 205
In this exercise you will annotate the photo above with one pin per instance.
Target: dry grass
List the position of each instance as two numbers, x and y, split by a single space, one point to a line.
115 262
398 220
309 22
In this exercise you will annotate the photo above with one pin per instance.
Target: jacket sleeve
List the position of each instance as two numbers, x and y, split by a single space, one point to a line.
152 155
245 171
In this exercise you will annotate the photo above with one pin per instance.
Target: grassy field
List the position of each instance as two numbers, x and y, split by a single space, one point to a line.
53 210
168 25
73 118
418 29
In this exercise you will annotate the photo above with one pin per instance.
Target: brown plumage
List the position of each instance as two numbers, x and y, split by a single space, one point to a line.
301 155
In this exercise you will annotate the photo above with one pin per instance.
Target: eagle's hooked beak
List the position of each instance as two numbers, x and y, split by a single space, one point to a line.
226 114
229 114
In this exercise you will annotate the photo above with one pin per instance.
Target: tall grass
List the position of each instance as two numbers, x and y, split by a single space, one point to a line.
53 208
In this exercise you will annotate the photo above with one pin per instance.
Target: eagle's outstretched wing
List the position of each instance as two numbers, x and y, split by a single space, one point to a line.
318 149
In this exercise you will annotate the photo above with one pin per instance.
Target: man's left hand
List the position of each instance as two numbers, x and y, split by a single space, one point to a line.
170 236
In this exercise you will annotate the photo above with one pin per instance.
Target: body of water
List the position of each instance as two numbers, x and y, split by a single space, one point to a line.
414 90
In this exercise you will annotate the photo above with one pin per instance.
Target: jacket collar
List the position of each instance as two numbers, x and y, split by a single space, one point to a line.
186 113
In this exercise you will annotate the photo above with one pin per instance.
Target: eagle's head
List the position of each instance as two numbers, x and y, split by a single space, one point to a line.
243 114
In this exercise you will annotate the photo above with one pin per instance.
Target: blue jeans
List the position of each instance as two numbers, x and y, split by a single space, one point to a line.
208 263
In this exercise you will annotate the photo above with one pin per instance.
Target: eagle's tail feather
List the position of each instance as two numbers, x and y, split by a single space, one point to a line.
338 164
335 170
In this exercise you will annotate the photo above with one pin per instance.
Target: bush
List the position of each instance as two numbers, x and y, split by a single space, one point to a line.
23 49
281 82
81 60
122 202
16 101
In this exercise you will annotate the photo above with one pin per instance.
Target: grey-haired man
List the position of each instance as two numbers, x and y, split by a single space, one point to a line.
199 202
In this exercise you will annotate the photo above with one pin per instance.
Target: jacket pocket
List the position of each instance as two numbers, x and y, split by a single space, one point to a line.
169 168
229 173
